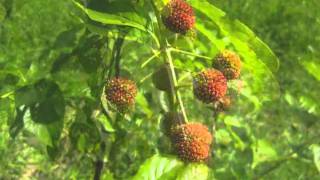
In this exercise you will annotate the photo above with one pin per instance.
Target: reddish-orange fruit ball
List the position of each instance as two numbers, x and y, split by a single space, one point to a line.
229 63
121 92
192 142
178 16
209 85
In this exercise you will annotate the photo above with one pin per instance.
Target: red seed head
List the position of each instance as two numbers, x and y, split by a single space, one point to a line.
192 142
209 85
121 93
228 63
178 16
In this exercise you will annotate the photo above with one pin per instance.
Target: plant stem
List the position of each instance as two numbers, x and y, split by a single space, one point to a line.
174 84
165 51
190 54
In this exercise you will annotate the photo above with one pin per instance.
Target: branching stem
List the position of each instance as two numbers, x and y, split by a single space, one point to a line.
190 54
166 53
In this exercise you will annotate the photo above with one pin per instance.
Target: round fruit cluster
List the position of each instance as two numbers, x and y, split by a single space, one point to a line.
121 92
192 142
178 16
209 85
228 63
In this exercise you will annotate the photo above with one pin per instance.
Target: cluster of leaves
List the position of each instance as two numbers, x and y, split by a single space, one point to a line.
55 123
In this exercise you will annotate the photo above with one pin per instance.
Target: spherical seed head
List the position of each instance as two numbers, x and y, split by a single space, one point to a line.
121 93
228 63
209 85
192 142
178 16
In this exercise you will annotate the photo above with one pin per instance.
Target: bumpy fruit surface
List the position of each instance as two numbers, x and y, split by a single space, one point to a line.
121 93
209 85
192 142
228 63
178 16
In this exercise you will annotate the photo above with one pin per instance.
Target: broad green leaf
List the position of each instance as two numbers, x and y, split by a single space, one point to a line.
263 151
112 19
39 131
237 31
25 95
106 18
50 103
194 172
159 167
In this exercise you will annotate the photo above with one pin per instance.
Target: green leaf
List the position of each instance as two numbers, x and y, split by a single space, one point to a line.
50 104
159 167
112 19
313 68
222 137
263 151
194 172
25 95
237 31
316 155
84 135
39 131
106 18
106 123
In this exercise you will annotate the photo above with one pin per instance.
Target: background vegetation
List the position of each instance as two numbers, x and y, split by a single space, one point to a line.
53 60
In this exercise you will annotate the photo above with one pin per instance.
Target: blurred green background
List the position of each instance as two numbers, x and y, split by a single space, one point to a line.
277 139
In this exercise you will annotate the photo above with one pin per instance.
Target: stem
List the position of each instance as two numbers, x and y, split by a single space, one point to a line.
174 95
190 54
174 84
98 169
99 163
156 54
117 55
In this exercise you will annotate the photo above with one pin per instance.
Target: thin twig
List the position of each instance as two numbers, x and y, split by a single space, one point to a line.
99 163
174 84
119 44
156 54
190 53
